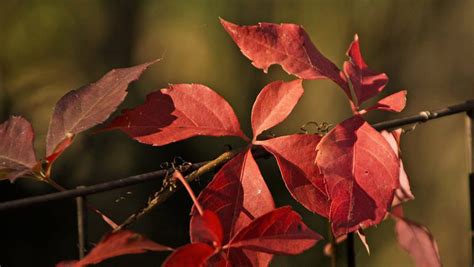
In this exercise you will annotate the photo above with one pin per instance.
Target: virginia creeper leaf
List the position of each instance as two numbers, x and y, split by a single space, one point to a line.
288 45
395 102
248 258
17 155
177 113
117 244
295 157
206 228
190 255
361 172
274 104
365 82
280 231
403 192
417 240
90 105
237 194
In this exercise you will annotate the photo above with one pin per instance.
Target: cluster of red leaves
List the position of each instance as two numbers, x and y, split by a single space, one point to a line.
75 112
353 175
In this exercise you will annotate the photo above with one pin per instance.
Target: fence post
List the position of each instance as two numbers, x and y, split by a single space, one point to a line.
81 224
351 261
470 162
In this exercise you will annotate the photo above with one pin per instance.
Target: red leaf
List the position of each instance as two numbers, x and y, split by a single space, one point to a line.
206 229
361 173
248 258
237 194
395 102
117 244
417 240
403 192
190 255
280 231
274 104
90 105
365 82
178 113
295 157
17 155
287 45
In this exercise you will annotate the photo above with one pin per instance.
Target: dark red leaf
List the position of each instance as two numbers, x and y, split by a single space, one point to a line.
190 255
403 192
417 240
117 244
17 155
90 105
365 82
295 157
237 194
361 172
280 231
248 258
395 102
274 103
206 229
177 113
287 45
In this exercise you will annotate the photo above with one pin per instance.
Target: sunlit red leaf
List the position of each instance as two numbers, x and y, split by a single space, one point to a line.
177 113
403 192
295 157
395 102
117 244
90 105
288 45
274 103
206 229
237 194
280 231
365 82
17 155
190 255
417 240
361 172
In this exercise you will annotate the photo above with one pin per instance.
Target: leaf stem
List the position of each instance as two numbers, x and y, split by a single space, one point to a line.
177 175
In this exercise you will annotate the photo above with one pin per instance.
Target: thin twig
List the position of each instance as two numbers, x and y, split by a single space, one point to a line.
164 193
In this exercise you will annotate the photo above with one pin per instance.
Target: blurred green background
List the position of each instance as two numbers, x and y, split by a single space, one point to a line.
50 47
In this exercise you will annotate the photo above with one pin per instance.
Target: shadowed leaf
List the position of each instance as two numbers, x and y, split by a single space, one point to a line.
117 244
88 106
280 231
295 156
17 155
365 82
